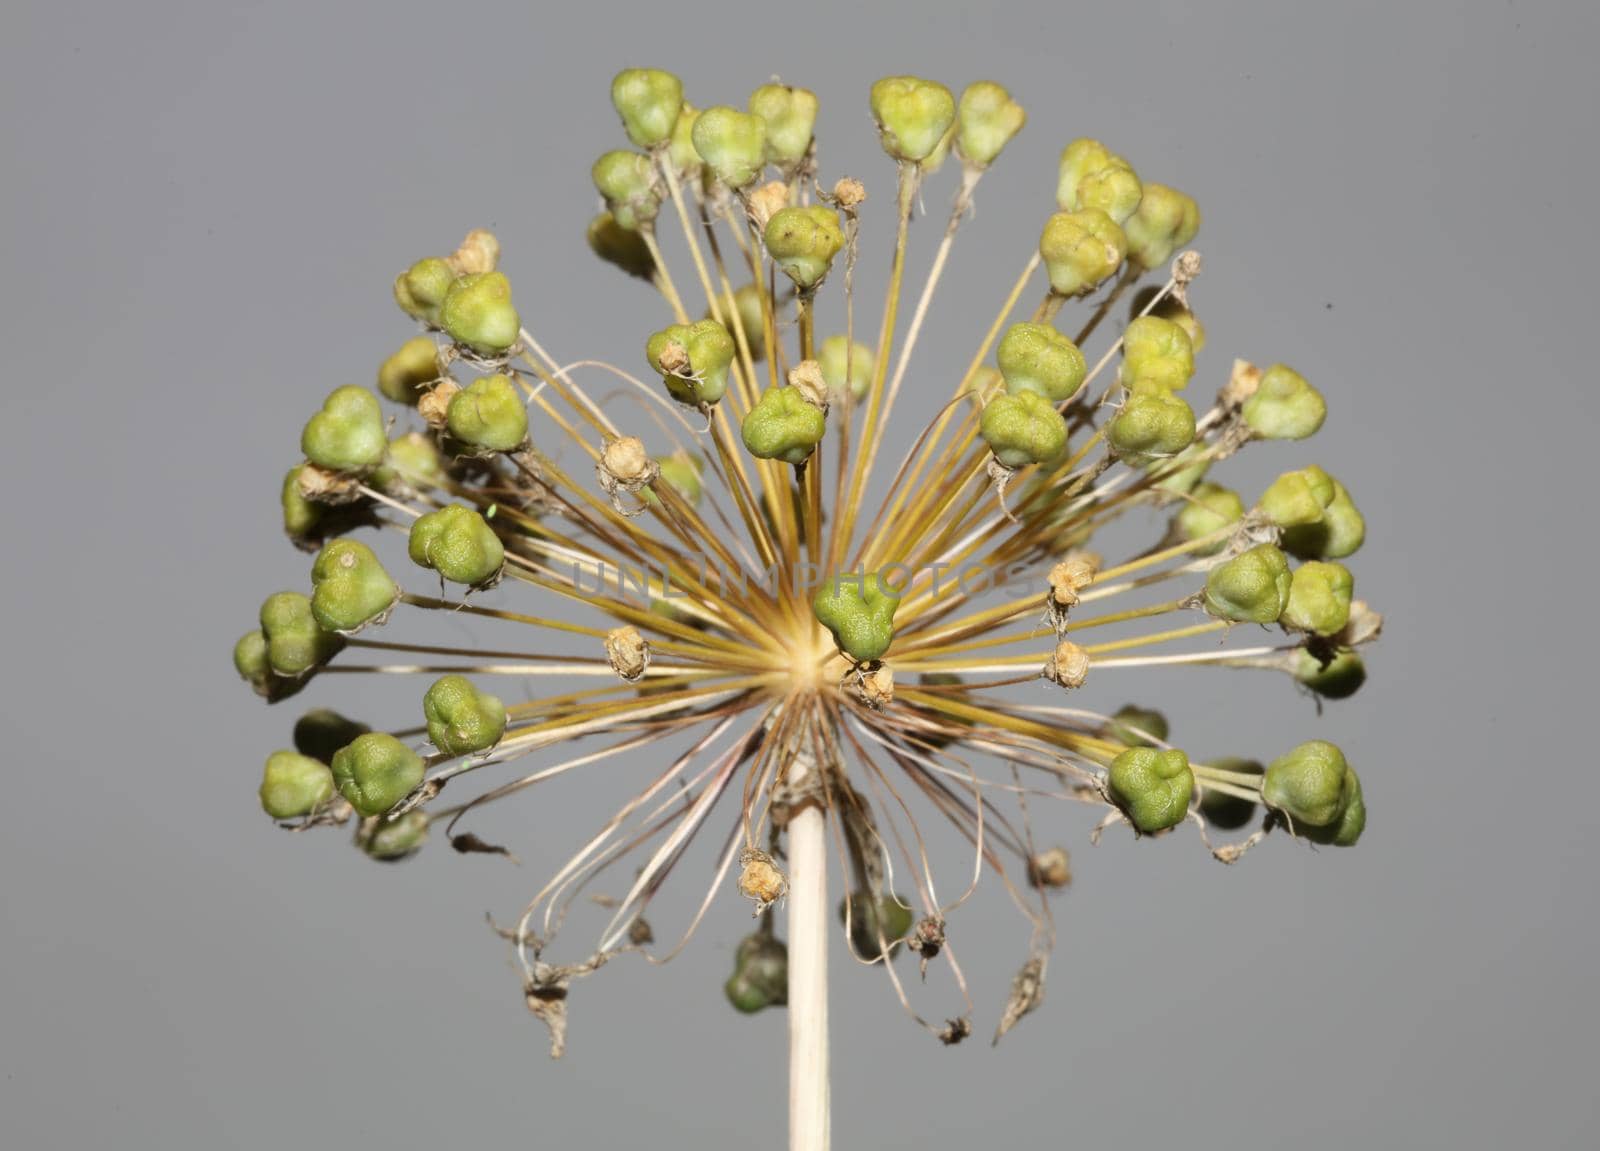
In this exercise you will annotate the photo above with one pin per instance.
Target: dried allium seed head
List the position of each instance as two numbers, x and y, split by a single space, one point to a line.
806 378
1069 665
1050 868
760 880
1071 576
478 253
764 201
628 651
849 193
434 404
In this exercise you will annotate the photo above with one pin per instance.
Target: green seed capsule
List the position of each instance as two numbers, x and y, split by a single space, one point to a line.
648 101
322 731
1319 598
421 288
1169 308
1081 250
477 313
681 155
1037 358
458 543
846 366
1156 353
1114 189
1135 726
791 116
859 610
1078 159
375 771
760 974
1284 406
1252 587
350 589
294 785
1312 785
1228 812
295 643
250 657
986 119
732 143
1299 497
1151 787
1339 533
489 415
1182 473
415 459
803 243
1152 424
627 182
621 247
410 371
871 915
745 303
784 426
1214 507
681 472
1340 678
913 116
391 840
693 360
462 719
1352 821
301 517
1023 429
347 435
1165 221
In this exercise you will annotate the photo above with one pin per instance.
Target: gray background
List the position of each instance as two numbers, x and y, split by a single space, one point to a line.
204 205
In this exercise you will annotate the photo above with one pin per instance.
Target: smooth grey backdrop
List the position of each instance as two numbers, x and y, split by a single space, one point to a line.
204 204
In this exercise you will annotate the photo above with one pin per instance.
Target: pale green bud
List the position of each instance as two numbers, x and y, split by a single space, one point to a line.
1152 423
1037 358
1182 473
858 608
986 119
846 366
1151 787
1298 497
293 785
1165 221
913 115
1312 785
627 183
784 425
681 472
421 288
462 719
1023 429
648 101
375 771
410 371
458 543
732 143
622 247
1284 406
693 360
1319 598
1081 250
1252 587
1213 508
1079 158
680 153
488 415
295 642
1156 353
1339 533
1169 307
478 314
803 243
347 435
350 589
790 115
415 459
301 517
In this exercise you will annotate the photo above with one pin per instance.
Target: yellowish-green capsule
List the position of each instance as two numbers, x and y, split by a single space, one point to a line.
1319 598
621 247
913 116
293 785
1209 508
488 415
803 243
1151 787
375 771
1081 250
648 100
1023 429
461 719
986 120
1252 587
791 117
350 589
410 371
478 314
347 435
1164 222
732 143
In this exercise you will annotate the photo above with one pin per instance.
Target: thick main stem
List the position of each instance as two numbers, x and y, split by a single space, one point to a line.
808 979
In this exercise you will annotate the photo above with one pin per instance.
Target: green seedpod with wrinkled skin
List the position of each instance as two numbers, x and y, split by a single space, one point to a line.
803 243
347 435
745 303
871 914
784 425
1078 159
1037 358
478 314
1284 406
1081 250
1165 221
391 840
1181 474
760 974
1340 678
350 589
421 289
488 415
1319 598
648 100
1156 352
404 376
986 120
458 543
1169 308
461 719
1311 785
250 657
1252 587
1153 423
681 472
1228 812
790 115
859 610
621 247
295 642
415 459
732 143
322 731
1209 508
1151 787
681 155
1352 821
627 183
375 771
293 785
913 116
1298 497
846 367
301 517
1338 534
1135 726
1023 429
1114 189
706 350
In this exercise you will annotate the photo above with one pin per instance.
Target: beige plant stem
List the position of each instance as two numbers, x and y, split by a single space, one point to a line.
808 973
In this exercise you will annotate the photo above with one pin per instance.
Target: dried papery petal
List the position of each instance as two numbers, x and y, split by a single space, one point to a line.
629 652
434 404
806 378
760 880
1050 868
764 201
1069 665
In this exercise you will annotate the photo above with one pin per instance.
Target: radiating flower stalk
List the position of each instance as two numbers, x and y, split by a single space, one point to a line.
708 570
